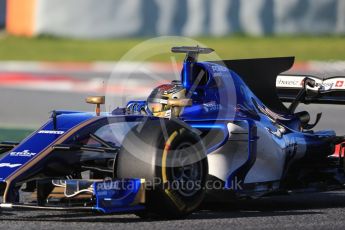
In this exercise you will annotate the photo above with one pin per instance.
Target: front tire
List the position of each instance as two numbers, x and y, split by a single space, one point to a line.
172 159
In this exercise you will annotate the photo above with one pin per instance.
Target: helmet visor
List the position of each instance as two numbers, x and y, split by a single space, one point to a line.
155 107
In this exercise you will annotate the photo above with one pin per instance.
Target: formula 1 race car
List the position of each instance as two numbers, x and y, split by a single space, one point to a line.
221 129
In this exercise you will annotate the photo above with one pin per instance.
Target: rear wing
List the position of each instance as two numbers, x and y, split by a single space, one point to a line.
331 90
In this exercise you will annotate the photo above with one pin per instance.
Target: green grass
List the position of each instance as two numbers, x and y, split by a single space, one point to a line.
56 49
13 134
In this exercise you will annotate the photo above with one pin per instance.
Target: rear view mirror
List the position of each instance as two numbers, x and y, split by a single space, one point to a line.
95 100
98 101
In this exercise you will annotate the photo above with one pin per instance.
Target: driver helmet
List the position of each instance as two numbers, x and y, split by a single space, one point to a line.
157 102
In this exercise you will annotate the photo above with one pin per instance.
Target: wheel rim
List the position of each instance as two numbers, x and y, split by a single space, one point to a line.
187 174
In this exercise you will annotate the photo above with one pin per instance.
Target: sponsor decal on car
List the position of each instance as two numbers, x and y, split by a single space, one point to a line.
339 84
327 85
9 165
334 83
289 81
51 132
25 153
211 106
219 69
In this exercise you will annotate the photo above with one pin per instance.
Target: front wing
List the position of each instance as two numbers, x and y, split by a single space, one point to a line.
106 196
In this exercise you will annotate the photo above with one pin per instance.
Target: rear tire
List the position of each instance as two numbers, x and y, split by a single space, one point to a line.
172 159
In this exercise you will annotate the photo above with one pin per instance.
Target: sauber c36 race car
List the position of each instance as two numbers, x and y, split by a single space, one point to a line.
221 129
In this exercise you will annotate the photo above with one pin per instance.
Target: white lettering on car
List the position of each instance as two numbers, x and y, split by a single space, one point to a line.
9 165
25 153
51 132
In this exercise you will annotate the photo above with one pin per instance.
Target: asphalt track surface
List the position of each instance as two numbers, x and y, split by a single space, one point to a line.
298 211
20 107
